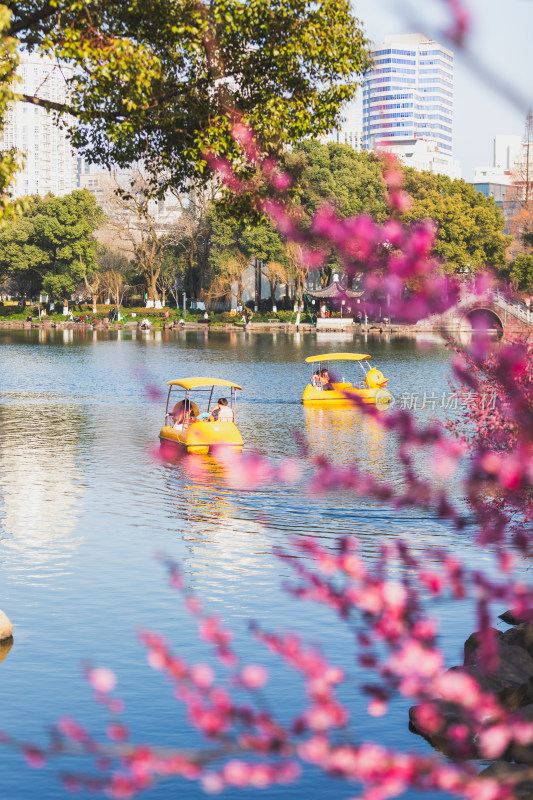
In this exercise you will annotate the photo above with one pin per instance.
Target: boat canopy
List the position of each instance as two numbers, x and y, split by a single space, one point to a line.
337 357
194 383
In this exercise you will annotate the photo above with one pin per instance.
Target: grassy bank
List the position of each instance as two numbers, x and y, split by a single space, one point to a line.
157 317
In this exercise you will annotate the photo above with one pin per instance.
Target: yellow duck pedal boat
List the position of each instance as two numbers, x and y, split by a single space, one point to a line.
322 391
201 432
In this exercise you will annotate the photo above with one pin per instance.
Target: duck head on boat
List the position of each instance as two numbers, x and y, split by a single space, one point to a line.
323 389
201 431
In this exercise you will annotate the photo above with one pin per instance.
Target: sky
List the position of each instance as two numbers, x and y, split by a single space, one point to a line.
500 41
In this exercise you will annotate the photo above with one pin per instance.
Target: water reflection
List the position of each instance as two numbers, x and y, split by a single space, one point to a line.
223 539
343 432
325 337
428 337
87 423
5 647
40 492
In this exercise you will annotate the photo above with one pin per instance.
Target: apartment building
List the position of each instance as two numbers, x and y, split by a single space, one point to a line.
50 162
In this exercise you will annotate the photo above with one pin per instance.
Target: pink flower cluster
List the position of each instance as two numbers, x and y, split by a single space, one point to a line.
461 21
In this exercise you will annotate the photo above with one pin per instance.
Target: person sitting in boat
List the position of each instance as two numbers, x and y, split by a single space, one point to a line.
221 413
327 386
183 412
316 380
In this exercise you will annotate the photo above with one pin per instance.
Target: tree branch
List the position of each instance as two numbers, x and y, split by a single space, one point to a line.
37 16
49 105
63 108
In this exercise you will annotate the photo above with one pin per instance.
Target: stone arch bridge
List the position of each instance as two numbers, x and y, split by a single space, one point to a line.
490 311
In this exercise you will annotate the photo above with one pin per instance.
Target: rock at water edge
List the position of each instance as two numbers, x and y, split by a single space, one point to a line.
6 628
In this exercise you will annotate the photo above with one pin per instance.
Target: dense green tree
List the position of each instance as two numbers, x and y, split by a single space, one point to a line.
265 248
190 251
170 275
211 246
9 160
337 174
521 272
470 226
53 239
164 81
228 259
262 241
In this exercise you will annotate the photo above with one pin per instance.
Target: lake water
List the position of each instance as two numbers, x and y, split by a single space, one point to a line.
84 507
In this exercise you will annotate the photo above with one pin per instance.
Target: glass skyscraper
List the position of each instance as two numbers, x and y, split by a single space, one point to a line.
408 99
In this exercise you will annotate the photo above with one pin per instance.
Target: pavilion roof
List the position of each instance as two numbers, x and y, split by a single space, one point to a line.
334 291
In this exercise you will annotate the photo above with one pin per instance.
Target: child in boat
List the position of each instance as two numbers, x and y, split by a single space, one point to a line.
327 386
316 380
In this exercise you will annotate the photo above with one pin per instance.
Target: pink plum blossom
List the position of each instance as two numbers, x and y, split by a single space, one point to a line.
102 680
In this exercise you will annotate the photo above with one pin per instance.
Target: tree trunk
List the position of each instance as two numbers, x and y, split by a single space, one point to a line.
325 276
153 294
188 281
273 289
95 300
202 256
299 288
257 298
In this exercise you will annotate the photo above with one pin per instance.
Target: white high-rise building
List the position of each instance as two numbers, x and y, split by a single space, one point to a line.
508 152
351 129
408 103
50 163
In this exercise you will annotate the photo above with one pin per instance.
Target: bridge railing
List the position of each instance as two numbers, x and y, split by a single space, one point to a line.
515 307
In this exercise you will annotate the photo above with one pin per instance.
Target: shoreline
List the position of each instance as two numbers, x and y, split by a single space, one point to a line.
251 327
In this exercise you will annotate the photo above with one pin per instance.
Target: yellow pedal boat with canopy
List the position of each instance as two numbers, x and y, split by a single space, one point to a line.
196 431
324 388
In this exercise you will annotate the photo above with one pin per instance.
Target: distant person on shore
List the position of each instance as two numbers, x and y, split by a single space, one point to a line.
221 413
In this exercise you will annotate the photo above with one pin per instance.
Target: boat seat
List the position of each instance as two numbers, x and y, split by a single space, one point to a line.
341 386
